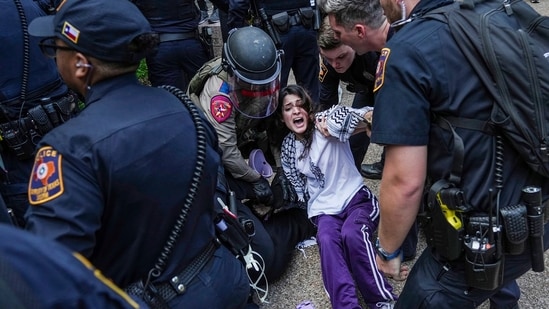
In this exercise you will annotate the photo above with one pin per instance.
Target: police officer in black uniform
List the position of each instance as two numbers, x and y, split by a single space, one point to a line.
129 182
180 52
295 22
39 273
358 75
28 81
418 85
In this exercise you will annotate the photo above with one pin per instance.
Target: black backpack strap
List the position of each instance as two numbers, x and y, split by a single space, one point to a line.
459 149
472 124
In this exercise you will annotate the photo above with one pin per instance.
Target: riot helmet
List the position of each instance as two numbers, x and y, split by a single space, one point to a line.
253 67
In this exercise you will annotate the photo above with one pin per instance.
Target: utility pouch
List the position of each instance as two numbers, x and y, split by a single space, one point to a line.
281 21
483 276
515 227
483 258
444 225
205 36
307 16
232 234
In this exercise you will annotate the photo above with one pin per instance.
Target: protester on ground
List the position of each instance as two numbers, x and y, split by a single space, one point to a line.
345 210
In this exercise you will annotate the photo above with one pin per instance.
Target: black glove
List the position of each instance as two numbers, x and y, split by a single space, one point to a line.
283 191
262 191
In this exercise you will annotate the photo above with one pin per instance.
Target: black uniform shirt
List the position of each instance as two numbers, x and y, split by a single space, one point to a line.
359 76
111 182
422 72
170 16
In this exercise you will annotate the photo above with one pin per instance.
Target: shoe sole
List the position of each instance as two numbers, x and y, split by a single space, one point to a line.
369 176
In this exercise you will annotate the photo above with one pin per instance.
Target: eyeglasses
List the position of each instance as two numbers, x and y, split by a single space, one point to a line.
49 48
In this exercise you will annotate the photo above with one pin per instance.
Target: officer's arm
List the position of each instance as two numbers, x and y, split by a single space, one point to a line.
222 5
238 11
401 191
66 203
215 93
232 158
329 83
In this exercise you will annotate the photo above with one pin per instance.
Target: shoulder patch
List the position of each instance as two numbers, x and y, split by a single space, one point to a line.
46 181
221 108
322 72
380 70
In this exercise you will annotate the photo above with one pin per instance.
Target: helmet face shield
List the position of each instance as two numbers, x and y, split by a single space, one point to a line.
257 99
253 65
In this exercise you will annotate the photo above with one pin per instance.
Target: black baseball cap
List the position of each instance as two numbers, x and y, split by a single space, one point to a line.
102 29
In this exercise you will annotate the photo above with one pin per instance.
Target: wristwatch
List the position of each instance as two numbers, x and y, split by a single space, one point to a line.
384 254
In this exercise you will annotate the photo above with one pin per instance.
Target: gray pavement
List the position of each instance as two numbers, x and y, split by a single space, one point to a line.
303 281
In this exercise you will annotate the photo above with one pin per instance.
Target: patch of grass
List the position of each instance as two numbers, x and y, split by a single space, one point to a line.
142 73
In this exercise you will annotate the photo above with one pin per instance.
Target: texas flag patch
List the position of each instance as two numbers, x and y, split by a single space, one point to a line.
221 108
46 181
71 32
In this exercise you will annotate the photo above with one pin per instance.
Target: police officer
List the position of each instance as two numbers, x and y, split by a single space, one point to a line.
28 80
180 52
237 96
38 273
421 148
238 93
295 23
342 63
129 183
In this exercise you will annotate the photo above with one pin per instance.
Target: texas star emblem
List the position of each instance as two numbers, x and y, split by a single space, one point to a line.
221 108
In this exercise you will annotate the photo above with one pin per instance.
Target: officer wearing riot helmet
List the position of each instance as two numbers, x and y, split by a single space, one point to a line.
33 99
129 182
293 25
247 79
238 93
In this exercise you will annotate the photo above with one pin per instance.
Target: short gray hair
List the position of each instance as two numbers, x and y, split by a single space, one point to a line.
347 13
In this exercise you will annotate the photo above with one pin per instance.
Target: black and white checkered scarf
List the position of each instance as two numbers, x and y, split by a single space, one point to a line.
341 121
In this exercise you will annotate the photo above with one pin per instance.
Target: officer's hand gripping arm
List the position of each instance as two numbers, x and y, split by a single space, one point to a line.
283 192
262 191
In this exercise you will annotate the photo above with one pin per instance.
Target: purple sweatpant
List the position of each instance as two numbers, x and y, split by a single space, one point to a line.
347 255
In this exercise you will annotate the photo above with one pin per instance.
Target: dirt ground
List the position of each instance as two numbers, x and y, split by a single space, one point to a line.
303 281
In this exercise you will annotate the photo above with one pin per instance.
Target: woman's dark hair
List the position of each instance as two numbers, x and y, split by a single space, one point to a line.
307 104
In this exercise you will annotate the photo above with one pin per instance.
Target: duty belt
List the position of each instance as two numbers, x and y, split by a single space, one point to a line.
168 37
177 285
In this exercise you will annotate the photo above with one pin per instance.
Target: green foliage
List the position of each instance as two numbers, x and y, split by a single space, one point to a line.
142 72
